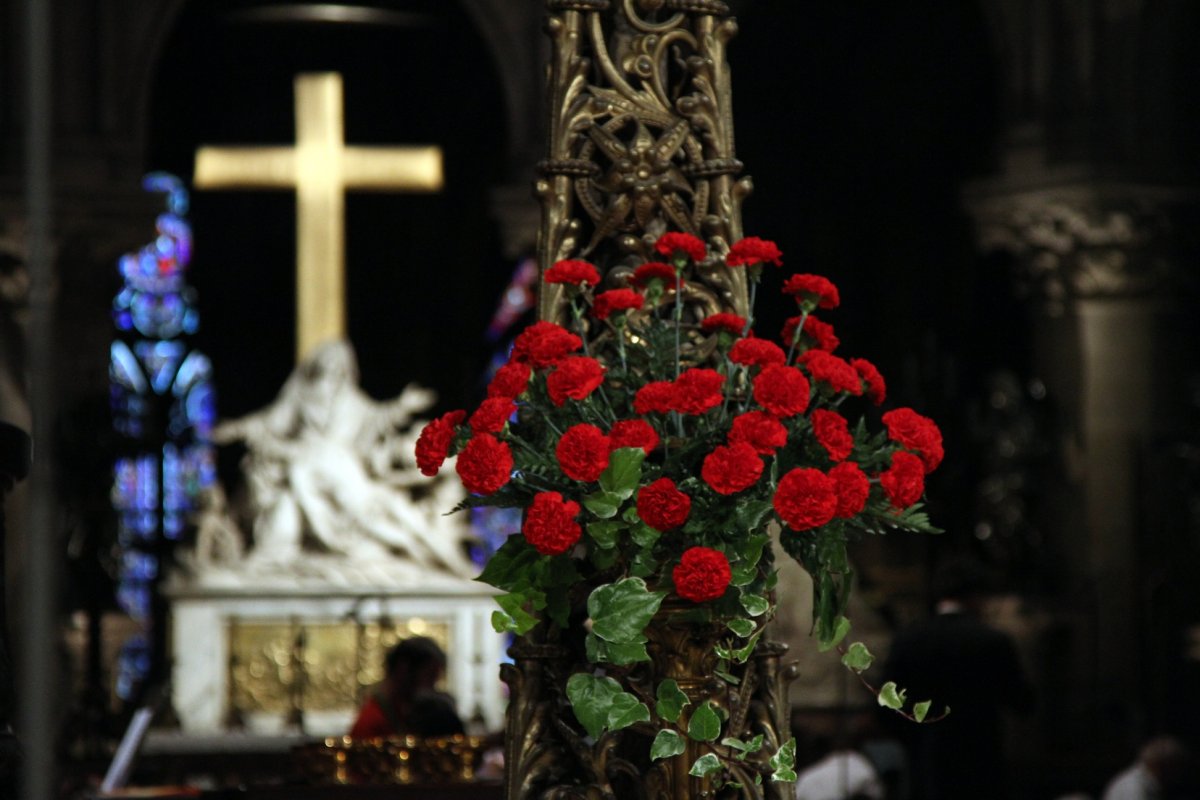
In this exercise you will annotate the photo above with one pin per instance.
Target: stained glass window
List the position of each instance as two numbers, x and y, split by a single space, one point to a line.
163 409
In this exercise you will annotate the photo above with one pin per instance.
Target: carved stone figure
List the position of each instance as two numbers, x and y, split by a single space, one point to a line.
330 469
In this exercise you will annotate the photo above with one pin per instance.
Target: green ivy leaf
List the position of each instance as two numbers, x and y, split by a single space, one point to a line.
603 559
921 710
599 703
742 627
755 605
827 640
705 725
630 515
509 568
620 611
605 533
513 617
667 743
643 535
750 516
623 472
784 762
744 575
752 746
705 765
671 700
731 679
890 696
603 504
642 565
857 657
741 654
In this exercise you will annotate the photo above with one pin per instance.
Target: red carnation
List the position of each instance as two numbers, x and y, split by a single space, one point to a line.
833 371
662 506
655 271
781 390
575 272
818 332
575 377
917 433
633 433
702 574
543 344
753 250
433 445
904 481
671 243
656 397
510 380
806 498
697 390
550 524
760 430
492 415
582 452
724 322
833 433
485 464
812 291
751 352
876 387
615 300
731 468
852 488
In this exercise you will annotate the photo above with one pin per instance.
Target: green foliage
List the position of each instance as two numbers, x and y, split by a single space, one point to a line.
667 743
671 701
921 710
857 657
623 473
705 724
742 627
783 763
828 638
891 697
600 704
706 764
744 748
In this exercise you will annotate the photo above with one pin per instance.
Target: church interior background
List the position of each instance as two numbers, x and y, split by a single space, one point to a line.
1007 190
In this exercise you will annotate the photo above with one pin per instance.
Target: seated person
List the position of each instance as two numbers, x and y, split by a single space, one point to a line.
405 702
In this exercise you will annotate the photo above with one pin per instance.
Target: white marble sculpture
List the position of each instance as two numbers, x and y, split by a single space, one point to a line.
333 486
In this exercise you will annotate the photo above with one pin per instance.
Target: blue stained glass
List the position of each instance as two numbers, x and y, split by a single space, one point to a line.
133 665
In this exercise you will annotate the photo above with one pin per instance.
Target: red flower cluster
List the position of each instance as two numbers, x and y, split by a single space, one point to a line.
876 388
633 433
550 524
662 506
917 433
433 445
753 250
492 415
812 291
656 397
752 352
731 468
834 372
833 433
806 498
582 452
575 272
852 488
702 574
485 464
575 377
691 246
781 390
544 344
697 390
904 481
819 333
510 380
655 271
760 430
731 323
614 300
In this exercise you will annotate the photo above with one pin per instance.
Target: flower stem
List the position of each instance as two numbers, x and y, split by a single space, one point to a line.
796 335
750 308
678 315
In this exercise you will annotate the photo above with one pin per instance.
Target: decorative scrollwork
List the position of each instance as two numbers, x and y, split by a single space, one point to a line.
641 139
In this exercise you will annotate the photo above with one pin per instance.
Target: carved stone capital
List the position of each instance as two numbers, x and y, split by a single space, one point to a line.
1091 239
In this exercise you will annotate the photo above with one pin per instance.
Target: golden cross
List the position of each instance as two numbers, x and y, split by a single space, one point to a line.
321 167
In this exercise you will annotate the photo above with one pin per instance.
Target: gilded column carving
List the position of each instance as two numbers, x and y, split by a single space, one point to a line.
640 140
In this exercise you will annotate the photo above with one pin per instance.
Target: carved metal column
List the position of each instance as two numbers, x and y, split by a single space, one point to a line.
640 138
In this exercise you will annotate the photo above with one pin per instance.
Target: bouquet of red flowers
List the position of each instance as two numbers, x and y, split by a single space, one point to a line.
652 456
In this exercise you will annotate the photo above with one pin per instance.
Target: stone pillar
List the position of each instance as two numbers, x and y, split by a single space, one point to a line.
1103 262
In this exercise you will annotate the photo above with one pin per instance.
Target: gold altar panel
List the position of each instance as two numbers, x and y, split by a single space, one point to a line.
288 666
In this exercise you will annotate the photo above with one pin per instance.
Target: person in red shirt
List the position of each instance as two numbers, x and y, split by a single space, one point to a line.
406 701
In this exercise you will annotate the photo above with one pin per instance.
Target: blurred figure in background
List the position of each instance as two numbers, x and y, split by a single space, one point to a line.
1162 772
406 701
957 660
